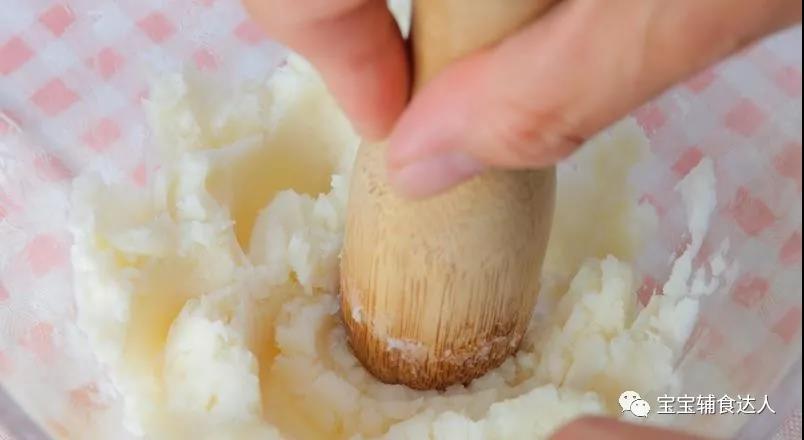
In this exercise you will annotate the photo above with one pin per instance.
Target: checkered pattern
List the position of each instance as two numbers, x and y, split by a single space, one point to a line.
72 78
73 74
744 114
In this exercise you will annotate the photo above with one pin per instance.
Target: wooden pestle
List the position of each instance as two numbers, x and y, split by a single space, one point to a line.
439 291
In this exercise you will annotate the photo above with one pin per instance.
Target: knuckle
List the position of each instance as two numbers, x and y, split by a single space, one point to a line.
323 12
290 16
533 138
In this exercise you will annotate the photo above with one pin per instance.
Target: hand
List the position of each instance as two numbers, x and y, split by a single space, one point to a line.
609 429
527 102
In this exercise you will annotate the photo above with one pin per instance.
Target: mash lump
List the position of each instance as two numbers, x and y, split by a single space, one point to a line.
210 291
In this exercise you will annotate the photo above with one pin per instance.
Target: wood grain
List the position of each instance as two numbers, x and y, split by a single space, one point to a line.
437 292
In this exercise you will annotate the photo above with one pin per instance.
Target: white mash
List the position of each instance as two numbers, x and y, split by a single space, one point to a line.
210 293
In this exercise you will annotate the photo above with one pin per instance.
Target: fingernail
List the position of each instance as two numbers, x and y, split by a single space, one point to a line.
432 175
414 139
370 131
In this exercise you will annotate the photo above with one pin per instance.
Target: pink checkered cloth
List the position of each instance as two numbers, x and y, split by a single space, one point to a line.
791 428
72 77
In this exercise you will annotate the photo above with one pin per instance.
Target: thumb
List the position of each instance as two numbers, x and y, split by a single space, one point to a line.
603 428
534 98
